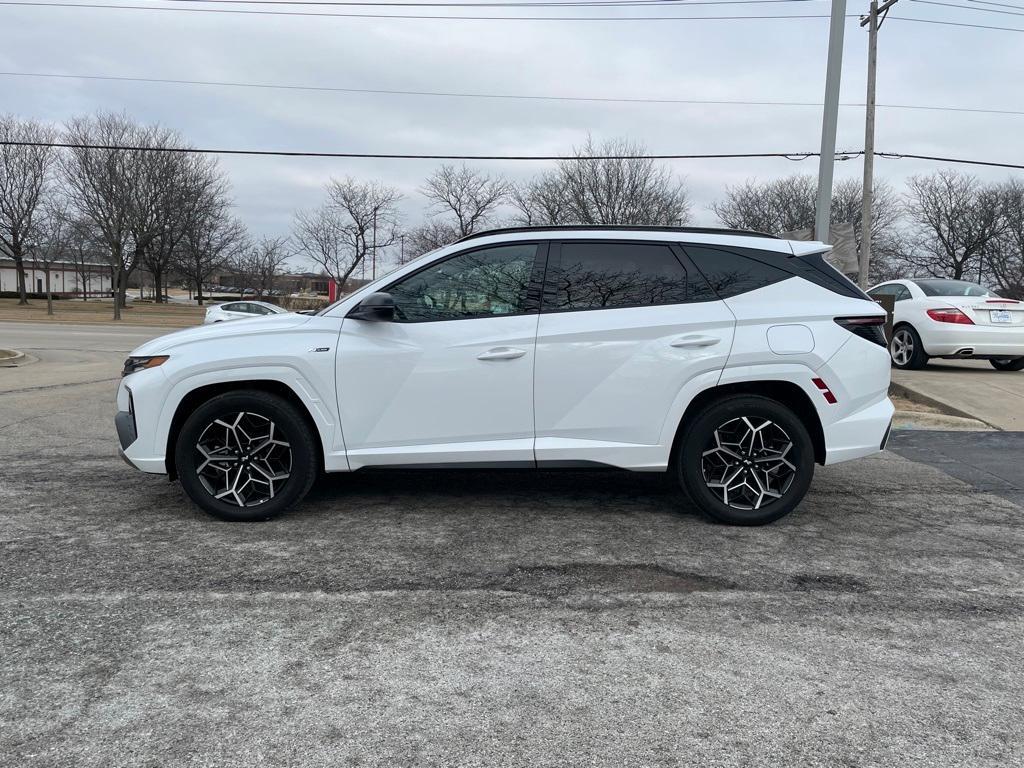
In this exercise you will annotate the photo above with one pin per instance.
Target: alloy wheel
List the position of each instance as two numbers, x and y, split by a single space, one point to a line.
902 349
243 459
747 463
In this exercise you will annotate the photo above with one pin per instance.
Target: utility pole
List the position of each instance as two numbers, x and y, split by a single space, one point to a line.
829 120
873 21
373 275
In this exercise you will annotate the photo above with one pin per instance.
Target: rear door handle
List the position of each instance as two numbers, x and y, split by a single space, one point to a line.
692 342
501 353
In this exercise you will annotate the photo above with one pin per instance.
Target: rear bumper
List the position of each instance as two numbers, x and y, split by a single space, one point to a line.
860 434
982 339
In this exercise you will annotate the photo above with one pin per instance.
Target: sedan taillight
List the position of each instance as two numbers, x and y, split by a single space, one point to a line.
950 316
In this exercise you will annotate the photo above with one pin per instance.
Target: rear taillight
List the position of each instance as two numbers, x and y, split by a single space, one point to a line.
950 316
869 327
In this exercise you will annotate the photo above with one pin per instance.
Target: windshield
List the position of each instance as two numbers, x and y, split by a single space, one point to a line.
952 288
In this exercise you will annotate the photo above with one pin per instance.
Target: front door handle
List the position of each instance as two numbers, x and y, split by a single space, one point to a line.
694 341
501 353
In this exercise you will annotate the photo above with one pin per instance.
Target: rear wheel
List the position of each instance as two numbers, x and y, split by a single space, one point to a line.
906 350
1008 364
746 460
246 456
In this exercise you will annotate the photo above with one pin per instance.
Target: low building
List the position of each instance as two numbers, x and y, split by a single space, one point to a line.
66 278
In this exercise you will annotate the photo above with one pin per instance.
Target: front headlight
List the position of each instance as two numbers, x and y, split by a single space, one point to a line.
133 364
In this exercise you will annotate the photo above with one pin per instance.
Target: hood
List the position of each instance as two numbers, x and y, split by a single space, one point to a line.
219 331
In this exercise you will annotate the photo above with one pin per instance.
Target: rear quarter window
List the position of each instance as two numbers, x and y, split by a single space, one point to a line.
730 273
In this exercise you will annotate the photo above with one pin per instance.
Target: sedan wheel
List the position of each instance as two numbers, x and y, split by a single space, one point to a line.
1008 364
906 349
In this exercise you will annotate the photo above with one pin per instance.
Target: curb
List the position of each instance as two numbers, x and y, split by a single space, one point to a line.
916 397
12 359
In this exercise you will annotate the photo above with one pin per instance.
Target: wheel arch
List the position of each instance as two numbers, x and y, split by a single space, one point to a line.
785 392
196 397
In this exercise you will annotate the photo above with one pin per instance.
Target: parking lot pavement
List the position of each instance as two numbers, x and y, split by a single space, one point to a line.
971 388
487 619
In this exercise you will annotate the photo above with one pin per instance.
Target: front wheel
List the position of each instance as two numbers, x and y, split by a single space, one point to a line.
746 460
1008 364
246 456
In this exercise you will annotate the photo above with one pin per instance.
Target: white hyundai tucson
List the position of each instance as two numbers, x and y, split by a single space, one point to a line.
734 360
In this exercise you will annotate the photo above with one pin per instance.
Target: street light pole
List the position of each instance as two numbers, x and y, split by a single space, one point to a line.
830 120
873 22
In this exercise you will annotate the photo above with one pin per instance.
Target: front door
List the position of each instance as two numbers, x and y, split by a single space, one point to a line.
626 336
451 379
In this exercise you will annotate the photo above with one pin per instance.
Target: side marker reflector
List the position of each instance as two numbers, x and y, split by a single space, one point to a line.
825 391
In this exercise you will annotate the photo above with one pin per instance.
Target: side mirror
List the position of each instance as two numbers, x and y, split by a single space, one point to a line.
376 308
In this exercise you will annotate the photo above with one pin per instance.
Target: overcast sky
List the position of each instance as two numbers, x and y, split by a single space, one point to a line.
756 60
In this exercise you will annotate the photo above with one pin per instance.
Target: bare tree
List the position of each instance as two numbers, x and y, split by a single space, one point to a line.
429 236
787 205
955 220
260 264
212 239
471 196
609 183
24 175
358 219
57 224
120 190
1004 256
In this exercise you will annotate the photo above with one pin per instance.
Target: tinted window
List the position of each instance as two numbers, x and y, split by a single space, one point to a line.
730 273
231 307
481 283
593 275
903 293
883 290
951 288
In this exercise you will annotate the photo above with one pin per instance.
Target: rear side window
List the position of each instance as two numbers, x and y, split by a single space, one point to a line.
594 275
731 273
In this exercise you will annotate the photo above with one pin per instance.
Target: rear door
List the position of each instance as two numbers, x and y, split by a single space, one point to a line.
624 334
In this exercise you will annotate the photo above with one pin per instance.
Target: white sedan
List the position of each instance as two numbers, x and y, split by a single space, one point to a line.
953 319
238 310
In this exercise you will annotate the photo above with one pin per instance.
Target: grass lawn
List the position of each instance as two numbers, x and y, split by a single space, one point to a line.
97 311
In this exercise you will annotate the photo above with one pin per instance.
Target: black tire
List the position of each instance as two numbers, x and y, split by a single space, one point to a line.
906 350
266 420
1009 364
697 472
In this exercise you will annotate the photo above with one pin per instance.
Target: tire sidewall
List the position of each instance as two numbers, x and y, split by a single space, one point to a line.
1010 364
698 435
917 360
286 419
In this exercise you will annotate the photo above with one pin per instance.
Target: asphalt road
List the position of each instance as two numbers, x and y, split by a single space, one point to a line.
489 619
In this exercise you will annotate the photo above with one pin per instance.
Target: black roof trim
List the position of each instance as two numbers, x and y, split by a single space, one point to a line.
618 228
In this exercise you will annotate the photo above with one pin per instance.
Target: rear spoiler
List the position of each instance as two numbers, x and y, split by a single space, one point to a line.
812 252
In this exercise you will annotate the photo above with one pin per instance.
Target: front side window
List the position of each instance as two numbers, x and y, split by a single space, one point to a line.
594 275
487 282
883 290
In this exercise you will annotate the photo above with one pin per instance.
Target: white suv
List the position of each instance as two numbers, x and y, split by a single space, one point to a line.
733 359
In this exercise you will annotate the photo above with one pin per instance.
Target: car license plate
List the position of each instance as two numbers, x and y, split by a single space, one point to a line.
1000 316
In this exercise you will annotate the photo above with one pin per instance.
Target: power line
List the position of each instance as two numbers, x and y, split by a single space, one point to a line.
1001 5
795 156
498 96
399 156
500 4
418 17
967 7
955 24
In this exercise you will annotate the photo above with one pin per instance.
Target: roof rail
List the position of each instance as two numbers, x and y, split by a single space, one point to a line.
618 228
